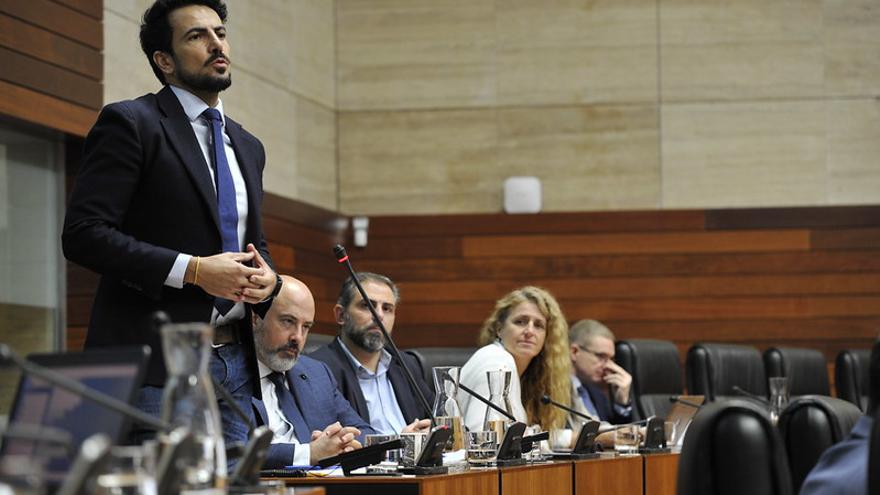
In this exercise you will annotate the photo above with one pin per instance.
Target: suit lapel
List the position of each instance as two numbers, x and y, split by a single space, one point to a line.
260 408
248 168
180 134
301 389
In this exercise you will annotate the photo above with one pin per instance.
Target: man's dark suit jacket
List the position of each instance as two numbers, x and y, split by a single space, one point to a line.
343 370
320 402
603 406
142 195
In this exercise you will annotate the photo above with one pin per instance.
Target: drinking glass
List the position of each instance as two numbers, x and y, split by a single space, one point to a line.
778 397
482 447
129 471
626 439
561 440
669 428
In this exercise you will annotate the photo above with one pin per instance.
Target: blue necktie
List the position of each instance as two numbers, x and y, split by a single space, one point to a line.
289 407
226 206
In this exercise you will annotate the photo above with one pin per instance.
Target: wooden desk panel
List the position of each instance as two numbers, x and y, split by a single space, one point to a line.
609 476
474 482
661 474
548 479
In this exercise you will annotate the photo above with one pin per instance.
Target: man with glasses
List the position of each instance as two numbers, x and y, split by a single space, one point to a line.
602 386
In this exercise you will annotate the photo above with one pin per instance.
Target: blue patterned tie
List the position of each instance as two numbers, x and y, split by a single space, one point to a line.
289 407
226 206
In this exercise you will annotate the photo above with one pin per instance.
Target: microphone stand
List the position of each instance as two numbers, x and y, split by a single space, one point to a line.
487 402
545 399
342 258
674 399
7 355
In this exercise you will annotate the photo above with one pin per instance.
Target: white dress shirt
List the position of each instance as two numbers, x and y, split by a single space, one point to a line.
193 106
282 429
385 414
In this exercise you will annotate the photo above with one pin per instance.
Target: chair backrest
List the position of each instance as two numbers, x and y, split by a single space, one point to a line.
714 370
810 425
732 448
429 357
315 341
805 369
851 370
656 371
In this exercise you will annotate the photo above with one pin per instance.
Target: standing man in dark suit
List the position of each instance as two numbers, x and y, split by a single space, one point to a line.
599 385
166 205
372 381
309 418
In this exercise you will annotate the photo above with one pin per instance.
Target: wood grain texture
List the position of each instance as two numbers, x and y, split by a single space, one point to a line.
661 474
615 475
527 480
46 78
45 110
45 45
92 8
57 18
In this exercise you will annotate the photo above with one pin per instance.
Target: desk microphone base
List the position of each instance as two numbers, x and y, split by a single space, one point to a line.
422 470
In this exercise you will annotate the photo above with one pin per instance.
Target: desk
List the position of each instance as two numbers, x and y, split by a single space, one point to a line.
538 478
653 474
473 482
609 476
661 474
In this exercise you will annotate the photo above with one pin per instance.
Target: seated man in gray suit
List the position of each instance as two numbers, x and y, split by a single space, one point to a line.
301 404
372 381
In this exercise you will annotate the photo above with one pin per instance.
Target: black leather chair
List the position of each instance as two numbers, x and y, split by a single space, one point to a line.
656 370
315 341
809 425
429 357
714 370
851 372
731 448
805 369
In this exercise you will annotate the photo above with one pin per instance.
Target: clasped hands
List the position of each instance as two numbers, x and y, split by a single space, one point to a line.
227 276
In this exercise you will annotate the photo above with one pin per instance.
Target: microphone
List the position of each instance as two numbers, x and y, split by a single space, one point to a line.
342 258
487 402
9 357
545 399
745 393
676 398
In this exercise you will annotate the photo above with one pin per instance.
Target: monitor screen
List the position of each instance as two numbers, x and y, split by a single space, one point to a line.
117 373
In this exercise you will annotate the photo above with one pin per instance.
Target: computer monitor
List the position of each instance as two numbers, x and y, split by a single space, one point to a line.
117 372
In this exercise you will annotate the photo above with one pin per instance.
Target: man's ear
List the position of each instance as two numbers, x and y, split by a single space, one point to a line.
339 314
164 61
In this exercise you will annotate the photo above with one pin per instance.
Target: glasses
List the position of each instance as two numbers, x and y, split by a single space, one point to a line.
601 356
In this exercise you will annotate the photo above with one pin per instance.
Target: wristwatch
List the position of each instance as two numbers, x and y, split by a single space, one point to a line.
277 288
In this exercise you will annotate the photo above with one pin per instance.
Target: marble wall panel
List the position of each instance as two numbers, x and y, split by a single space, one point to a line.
743 154
316 154
741 50
127 72
415 54
570 51
418 162
852 42
854 151
587 157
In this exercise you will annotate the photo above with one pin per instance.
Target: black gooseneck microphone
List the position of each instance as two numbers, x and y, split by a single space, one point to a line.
342 258
688 403
617 427
545 399
8 356
487 402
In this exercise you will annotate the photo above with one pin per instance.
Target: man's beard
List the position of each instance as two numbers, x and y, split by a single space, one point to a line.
272 357
203 82
362 336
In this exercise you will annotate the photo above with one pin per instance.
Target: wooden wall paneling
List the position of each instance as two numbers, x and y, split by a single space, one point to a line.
566 267
45 110
666 242
92 8
560 223
58 18
786 218
50 79
50 47
846 239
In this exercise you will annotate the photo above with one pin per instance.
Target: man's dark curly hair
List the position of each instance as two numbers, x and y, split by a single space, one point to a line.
156 30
